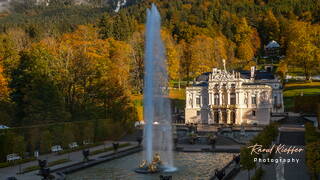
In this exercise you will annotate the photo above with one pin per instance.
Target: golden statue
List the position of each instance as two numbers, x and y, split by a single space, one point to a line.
154 166
143 164
156 158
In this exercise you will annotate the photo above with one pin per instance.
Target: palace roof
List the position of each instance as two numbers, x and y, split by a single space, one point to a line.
259 75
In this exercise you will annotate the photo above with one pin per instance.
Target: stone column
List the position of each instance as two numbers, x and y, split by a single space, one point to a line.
249 99
210 94
228 116
237 98
194 100
212 119
228 96
212 98
220 117
220 97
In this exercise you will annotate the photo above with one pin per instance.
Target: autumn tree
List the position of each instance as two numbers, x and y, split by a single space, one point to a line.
4 89
270 28
245 52
303 48
205 54
172 55
120 26
313 158
89 72
9 55
246 160
186 60
137 56
247 40
6 106
282 69
19 145
46 141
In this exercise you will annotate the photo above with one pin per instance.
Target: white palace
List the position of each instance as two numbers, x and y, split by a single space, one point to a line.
245 97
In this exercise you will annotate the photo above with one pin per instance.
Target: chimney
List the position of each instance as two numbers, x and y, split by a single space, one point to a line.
253 69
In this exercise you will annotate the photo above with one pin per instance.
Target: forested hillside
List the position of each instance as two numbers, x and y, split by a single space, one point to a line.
67 62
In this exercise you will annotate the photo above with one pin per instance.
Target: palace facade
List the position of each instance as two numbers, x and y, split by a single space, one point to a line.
245 97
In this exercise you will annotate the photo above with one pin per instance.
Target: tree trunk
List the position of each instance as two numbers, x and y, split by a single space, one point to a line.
306 72
105 107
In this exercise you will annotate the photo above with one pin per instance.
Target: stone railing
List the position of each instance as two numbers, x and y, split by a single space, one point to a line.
223 106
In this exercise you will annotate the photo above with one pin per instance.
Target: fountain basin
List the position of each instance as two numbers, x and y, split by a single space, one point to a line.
190 166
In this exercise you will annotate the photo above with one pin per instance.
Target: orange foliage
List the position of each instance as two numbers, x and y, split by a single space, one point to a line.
4 90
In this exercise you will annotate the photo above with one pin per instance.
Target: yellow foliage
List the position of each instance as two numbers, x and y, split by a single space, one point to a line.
173 55
206 53
4 90
245 52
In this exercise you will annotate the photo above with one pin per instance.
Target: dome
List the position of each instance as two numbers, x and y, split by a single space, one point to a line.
273 44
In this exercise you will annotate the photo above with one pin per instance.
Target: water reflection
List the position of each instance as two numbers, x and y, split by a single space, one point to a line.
191 166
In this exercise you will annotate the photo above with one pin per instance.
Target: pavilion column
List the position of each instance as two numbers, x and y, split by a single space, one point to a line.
194 100
220 98
211 120
237 98
228 116
220 117
212 113
228 97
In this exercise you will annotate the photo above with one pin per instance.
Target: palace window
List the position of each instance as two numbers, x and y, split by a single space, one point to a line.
198 101
233 98
253 113
216 117
254 99
216 99
198 113
233 117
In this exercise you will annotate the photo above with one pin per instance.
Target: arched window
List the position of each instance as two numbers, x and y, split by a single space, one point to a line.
216 99
233 98
216 117
233 117
253 99
224 117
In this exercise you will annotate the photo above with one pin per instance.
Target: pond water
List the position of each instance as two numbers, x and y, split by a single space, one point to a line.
191 166
243 137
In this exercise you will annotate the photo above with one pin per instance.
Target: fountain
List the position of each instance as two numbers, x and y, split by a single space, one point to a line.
157 112
157 141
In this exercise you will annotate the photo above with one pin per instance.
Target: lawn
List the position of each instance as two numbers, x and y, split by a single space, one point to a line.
296 88
293 89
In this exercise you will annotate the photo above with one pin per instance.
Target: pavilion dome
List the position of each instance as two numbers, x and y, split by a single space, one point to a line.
273 44
3 127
